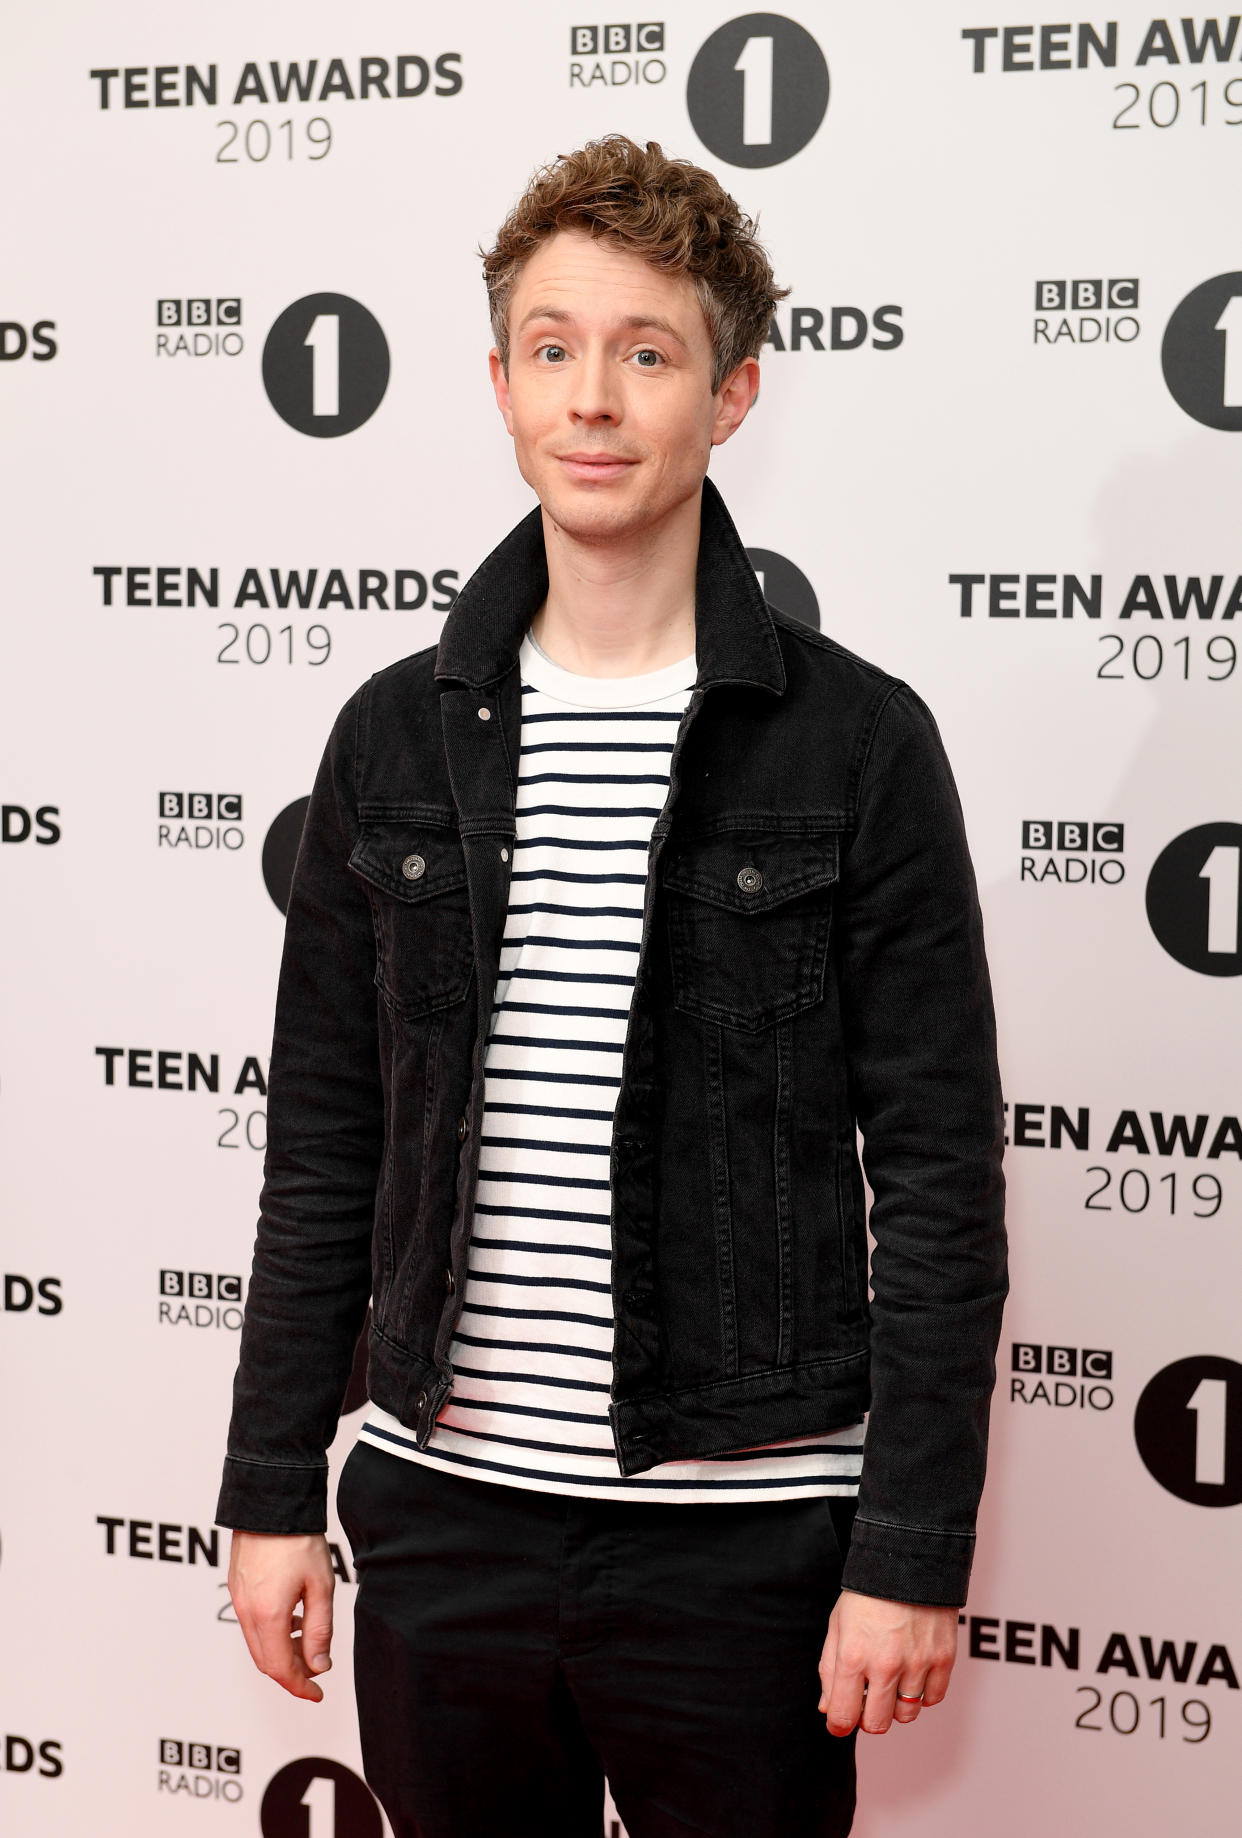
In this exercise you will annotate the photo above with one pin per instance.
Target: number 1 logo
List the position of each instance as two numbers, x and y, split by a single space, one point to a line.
1194 899
1201 354
757 90
326 365
1188 1427
318 1798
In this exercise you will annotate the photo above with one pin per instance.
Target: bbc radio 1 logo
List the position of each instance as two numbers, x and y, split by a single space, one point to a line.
617 56
758 90
199 328
200 1299
1060 1378
199 1770
326 365
1072 853
200 820
1087 312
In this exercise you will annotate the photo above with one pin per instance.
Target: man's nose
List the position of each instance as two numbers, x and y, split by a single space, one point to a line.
596 396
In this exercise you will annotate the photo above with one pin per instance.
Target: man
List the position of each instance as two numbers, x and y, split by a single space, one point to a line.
616 914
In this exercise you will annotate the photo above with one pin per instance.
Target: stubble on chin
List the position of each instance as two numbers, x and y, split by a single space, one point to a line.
593 516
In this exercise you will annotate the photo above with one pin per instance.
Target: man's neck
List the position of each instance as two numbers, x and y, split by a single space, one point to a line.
620 608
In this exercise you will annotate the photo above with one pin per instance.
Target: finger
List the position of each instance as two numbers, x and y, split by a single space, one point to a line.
845 1699
905 1710
317 1623
280 1658
827 1665
278 1655
936 1687
877 1711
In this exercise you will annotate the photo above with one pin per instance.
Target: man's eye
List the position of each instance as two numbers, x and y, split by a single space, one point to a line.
553 353
648 360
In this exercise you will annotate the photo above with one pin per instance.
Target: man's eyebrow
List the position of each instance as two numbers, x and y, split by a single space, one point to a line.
556 314
634 322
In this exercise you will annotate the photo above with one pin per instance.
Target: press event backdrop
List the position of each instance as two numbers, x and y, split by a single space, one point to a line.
250 454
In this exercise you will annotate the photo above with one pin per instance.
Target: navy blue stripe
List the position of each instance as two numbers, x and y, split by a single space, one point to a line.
557 1046
553 1110
541 1282
531 1346
544 1212
582 879
577 842
523 1244
522 972
595 778
541 1075
538 1142
528 1378
534 1314
574 944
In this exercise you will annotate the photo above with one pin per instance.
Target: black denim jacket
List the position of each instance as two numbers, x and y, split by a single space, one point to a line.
812 961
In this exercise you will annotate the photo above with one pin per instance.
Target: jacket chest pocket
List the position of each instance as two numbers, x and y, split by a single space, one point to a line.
424 947
748 922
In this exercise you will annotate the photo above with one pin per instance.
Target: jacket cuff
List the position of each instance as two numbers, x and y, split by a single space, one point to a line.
259 1497
908 1563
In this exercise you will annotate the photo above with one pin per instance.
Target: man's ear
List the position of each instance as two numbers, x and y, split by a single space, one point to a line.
734 400
500 384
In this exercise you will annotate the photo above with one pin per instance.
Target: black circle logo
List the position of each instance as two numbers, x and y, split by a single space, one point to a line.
785 586
326 365
315 1798
280 851
1201 354
1188 1427
757 90
1193 899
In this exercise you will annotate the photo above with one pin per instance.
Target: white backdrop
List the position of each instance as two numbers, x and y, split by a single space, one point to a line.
1040 378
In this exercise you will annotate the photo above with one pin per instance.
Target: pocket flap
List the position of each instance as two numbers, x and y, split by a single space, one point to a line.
410 861
709 867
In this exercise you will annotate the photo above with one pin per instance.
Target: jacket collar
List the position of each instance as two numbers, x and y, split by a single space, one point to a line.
735 639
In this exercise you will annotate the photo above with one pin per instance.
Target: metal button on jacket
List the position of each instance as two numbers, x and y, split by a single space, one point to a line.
449 1284
461 1129
413 866
420 1401
749 879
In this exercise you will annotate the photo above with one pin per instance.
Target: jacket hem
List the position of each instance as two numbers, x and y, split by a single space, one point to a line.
718 1419
260 1496
906 1563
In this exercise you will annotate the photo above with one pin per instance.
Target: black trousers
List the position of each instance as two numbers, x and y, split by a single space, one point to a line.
513 1648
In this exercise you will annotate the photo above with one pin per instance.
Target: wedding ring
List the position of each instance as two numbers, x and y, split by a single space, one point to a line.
902 1699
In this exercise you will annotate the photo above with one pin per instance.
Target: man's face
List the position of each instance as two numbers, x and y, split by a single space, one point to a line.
609 392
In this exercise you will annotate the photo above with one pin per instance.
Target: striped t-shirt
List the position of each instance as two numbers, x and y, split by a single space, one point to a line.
532 1354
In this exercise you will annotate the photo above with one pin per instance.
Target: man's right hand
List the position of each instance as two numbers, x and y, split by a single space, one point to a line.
268 1576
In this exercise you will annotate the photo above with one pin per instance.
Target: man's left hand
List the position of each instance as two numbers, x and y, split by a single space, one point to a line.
898 1651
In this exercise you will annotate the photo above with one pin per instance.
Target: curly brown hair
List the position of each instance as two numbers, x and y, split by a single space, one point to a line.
673 214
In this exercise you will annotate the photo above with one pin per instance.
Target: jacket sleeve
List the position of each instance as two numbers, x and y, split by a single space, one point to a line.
311 1275
920 1037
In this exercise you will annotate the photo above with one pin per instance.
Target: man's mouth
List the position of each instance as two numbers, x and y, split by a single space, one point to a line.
595 466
